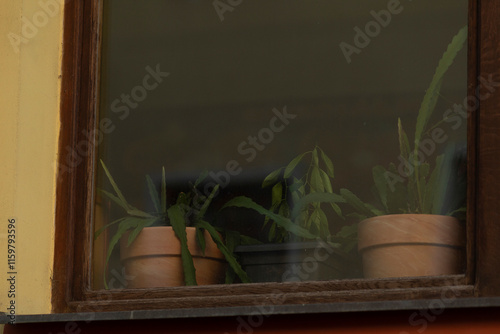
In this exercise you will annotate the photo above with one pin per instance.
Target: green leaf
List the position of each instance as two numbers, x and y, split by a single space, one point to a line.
276 195
153 194
297 186
127 207
323 229
200 239
126 225
207 202
272 178
379 178
315 159
291 166
326 181
227 253
287 224
328 163
144 223
357 217
99 231
404 144
272 233
337 210
397 197
315 198
138 213
316 181
200 179
246 240
115 187
458 212
178 222
232 239
356 203
115 199
412 196
433 200
431 95
163 192
375 211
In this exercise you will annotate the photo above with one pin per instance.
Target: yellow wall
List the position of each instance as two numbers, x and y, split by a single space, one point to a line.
29 128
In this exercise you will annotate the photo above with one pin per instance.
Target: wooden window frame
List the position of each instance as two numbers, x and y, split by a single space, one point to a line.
73 236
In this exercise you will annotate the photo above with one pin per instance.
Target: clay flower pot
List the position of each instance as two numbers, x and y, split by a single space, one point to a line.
408 245
154 259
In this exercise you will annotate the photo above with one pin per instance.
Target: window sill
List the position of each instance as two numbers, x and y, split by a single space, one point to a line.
403 305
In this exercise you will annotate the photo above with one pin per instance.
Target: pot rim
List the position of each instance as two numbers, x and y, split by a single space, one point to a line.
163 249
418 229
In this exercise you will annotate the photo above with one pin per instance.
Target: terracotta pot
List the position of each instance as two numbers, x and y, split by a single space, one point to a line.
411 245
154 259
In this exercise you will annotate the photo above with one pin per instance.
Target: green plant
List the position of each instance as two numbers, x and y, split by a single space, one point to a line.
424 189
298 202
188 210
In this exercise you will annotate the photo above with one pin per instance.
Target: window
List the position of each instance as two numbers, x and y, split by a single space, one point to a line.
83 113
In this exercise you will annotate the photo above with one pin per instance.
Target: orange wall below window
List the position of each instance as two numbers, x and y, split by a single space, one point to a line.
466 321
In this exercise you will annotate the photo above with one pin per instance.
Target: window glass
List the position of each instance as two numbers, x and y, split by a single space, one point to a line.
280 126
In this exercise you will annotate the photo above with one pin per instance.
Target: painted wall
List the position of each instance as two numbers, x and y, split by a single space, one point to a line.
30 58
30 62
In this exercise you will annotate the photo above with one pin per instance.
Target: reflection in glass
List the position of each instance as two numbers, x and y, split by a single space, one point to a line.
280 125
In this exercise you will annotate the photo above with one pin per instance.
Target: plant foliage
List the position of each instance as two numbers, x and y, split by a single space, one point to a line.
421 187
186 211
299 200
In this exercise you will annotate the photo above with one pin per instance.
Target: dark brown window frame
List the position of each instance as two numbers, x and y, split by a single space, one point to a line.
73 237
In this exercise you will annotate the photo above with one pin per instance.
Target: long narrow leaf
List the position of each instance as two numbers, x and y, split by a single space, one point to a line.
153 194
115 186
200 179
430 97
291 166
200 239
287 224
356 203
438 184
316 181
224 250
272 178
126 225
328 163
99 231
145 223
163 196
138 213
207 202
115 199
380 180
404 144
326 181
178 222
315 198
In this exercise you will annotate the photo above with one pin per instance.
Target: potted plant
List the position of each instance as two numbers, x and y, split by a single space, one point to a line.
413 232
300 245
173 245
